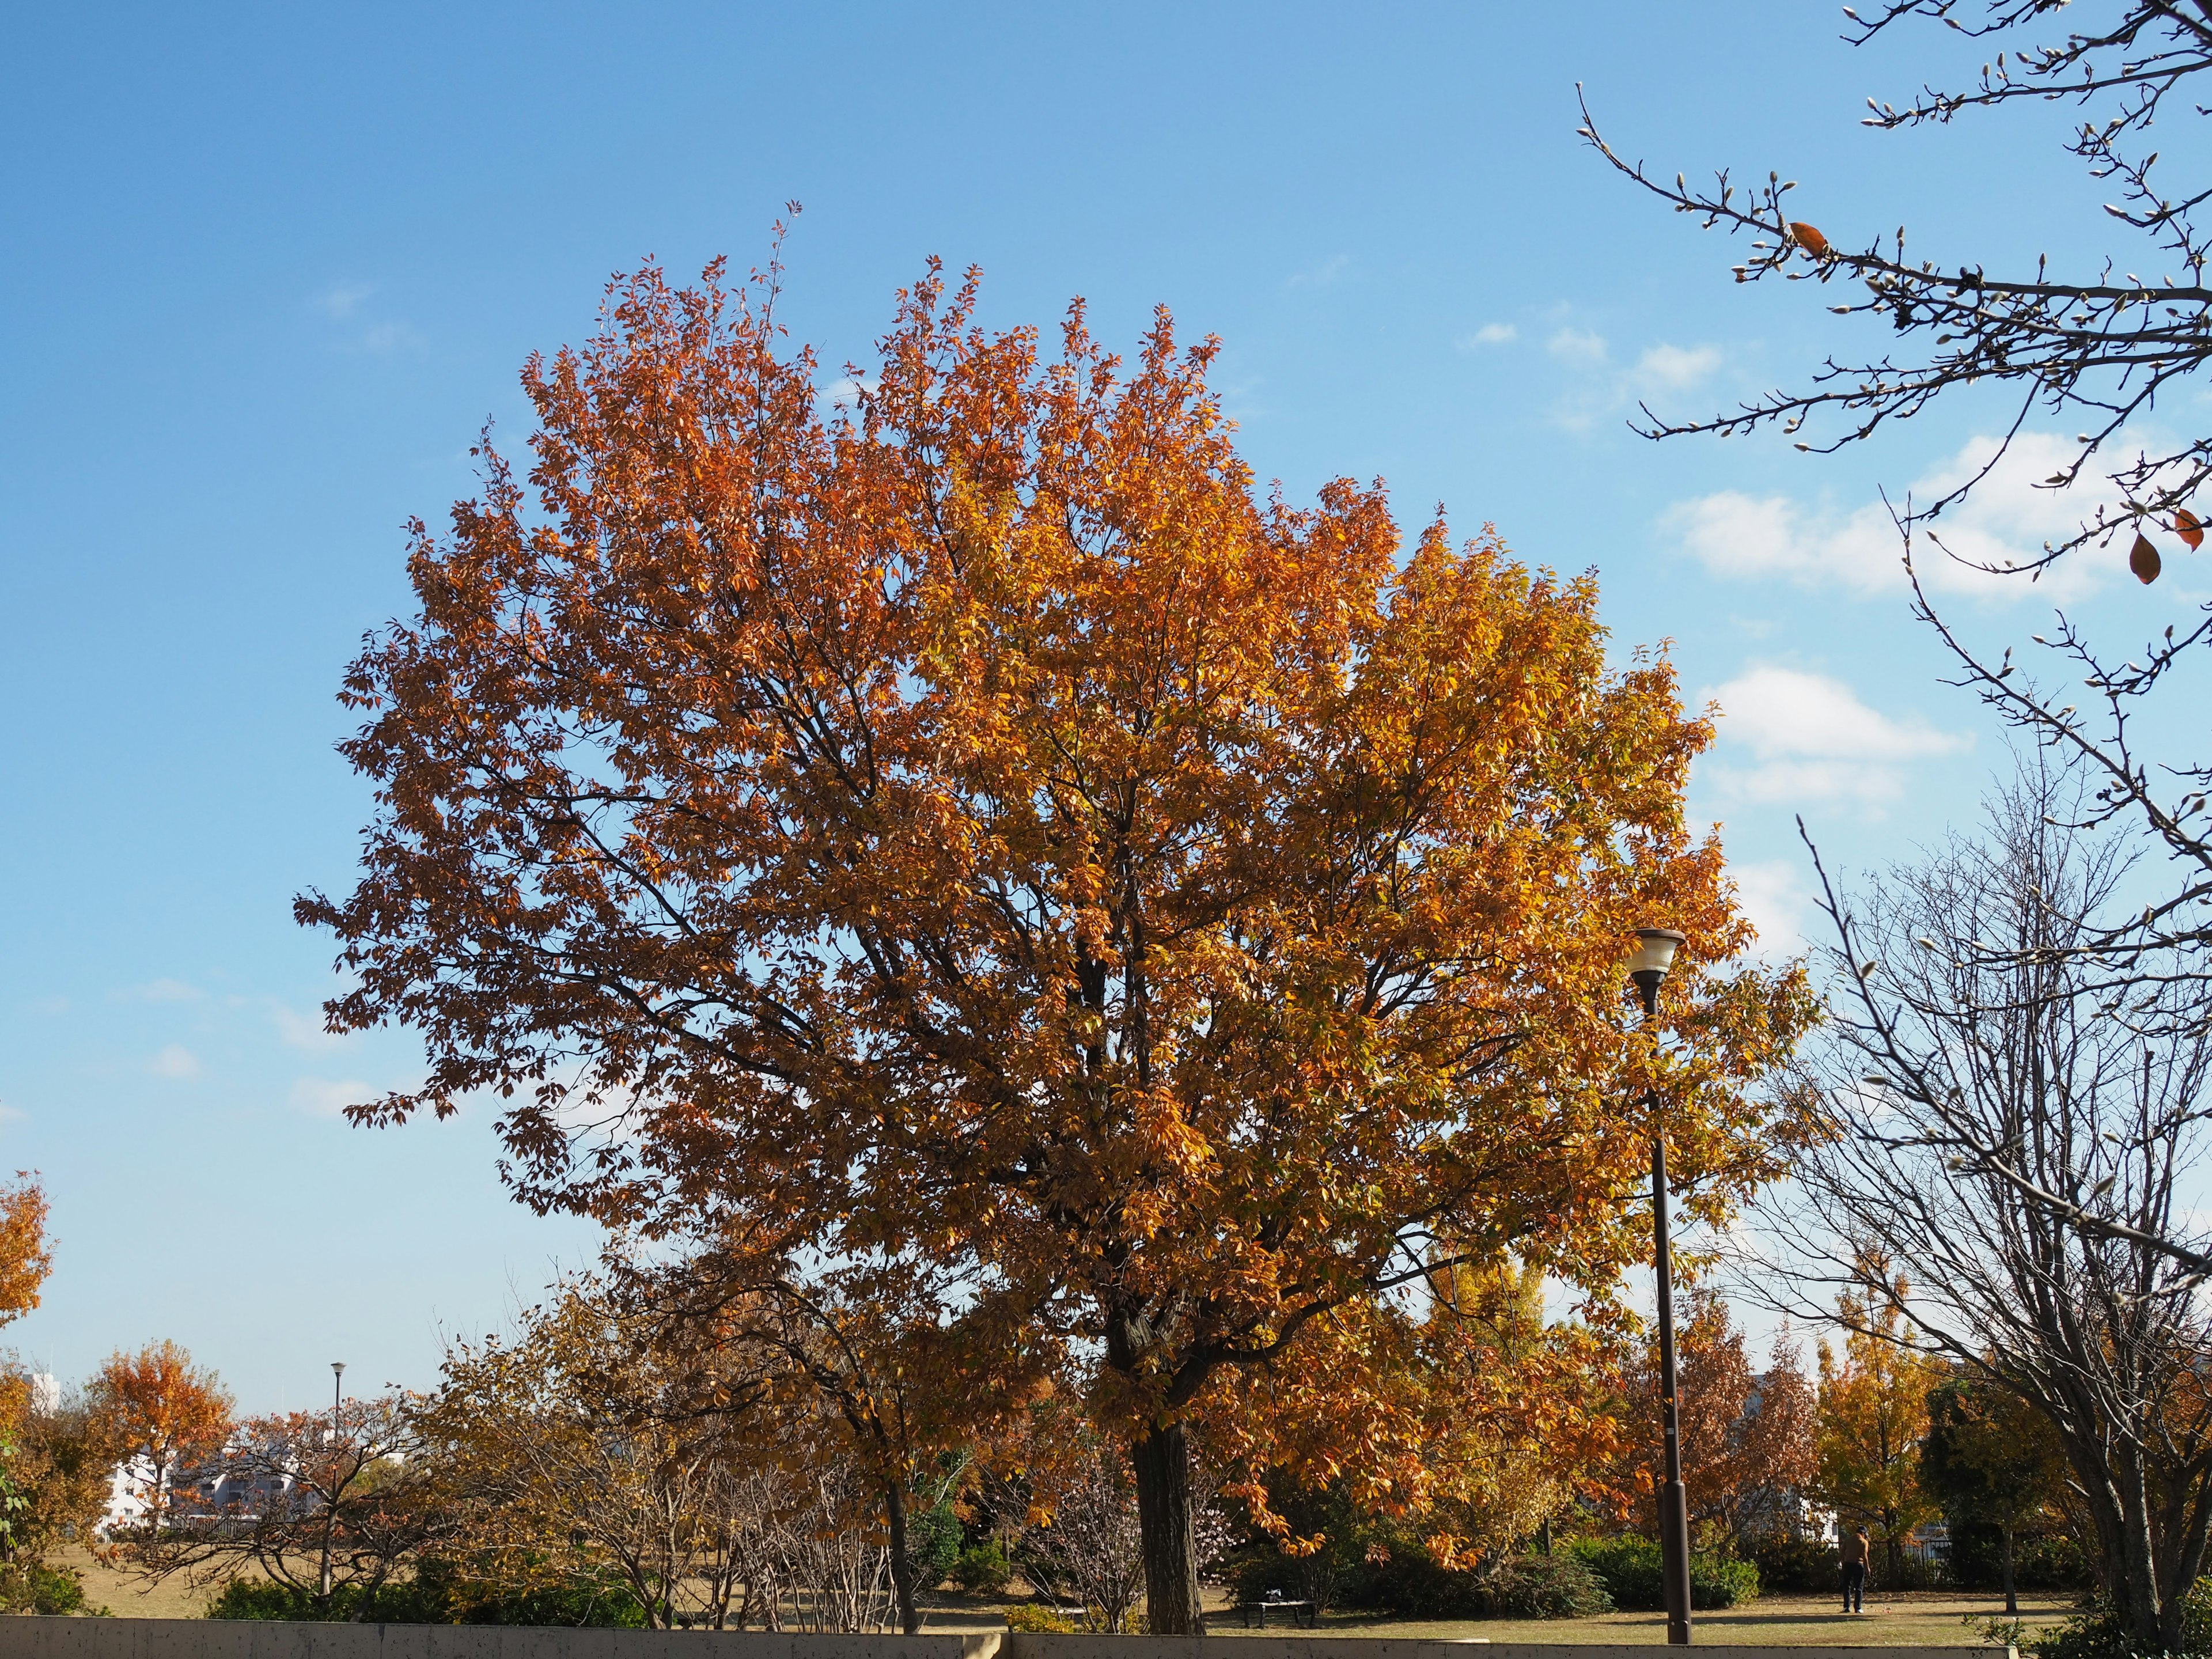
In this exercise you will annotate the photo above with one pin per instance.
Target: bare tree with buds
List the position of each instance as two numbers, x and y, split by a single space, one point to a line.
2012 1152
2100 350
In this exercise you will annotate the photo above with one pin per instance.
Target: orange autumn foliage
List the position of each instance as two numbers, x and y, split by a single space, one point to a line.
26 1254
978 827
158 1405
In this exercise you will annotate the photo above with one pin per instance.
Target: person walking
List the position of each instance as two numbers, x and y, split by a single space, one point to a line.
1855 1571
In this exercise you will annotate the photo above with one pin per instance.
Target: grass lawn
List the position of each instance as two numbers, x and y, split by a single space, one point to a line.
1909 1618
1905 1619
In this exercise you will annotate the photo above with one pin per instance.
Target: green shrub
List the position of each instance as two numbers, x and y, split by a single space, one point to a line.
1789 1562
933 1544
1630 1567
34 1588
2096 1634
440 1593
1338 1572
982 1568
1557 1586
2053 1562
1722 1581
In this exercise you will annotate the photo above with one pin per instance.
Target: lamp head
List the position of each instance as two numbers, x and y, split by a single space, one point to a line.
339 1367
1655 955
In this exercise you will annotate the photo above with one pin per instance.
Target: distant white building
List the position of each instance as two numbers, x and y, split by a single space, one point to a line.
131 1485
46 1393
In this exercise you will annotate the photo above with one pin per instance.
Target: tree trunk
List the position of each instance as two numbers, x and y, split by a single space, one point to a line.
1161 1463
902 1564
2012 1595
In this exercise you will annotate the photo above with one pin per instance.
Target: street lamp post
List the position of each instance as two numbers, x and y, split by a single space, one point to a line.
1655 955
338 1406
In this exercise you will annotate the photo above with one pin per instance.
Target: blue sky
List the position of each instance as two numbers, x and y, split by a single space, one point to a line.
271 268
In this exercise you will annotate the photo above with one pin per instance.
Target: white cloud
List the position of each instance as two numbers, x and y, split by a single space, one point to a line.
165 990
324 1098
1583 346
1322 275
300 1031
843 393
1673 368
1813 739
1773 897
2005 519
1598 388
1490 334
342 299
175 1061
385 338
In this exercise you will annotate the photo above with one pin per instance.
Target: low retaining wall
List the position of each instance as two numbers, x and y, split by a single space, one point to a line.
32 1637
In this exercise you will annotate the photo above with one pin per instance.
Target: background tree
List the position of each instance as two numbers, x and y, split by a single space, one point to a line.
158 1406
54 1484
588 1444
2096 350
1990 1456
26 1254
1965 1018
1750 1439
865 1342
975 825
1872 1419
334 1505
1087 1536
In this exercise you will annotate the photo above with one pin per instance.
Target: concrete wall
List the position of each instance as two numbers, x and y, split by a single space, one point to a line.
32 1638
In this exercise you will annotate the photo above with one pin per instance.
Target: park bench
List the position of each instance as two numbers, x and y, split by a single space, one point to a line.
1301 1612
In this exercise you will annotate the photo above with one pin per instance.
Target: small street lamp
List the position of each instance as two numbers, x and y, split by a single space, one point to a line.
338 1405
1655 955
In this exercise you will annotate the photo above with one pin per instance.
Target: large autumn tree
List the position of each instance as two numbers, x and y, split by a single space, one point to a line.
970 822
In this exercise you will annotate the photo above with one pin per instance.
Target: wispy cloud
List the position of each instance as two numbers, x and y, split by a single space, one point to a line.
1583 347
385 338
164 990
2005 519
1674 368
1601 387
341 300
299 1030
343 304
1810 739
1488 335
174 1062
1321 276
844 392
323 1097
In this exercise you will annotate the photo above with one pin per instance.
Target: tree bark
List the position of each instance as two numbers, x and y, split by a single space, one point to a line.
902 1564
1161 1463
2012 1597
